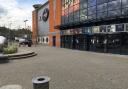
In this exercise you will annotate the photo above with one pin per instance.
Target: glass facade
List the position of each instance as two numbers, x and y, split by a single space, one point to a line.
104 38
101 37
123 27
86 10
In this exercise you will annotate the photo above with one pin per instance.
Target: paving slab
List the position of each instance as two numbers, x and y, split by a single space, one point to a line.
68 69
11 87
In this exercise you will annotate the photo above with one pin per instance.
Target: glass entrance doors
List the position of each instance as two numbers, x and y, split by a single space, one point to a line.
79 41
110 43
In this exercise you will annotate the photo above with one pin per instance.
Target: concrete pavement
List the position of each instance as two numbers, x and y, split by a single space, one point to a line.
68 69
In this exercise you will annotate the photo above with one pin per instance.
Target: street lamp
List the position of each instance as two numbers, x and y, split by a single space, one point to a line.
25 21
10 24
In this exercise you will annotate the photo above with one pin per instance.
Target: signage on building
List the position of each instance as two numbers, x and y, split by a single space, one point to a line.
45 15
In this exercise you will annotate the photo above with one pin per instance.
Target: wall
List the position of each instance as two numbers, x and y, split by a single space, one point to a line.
43 26
55 19
34 26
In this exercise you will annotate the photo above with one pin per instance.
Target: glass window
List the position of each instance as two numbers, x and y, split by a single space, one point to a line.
65 15
66 12
62 13
111 0
40 18
102 7
111 28
43 40
126 27
63 18
125 11
103 28
101 15
87 30
81 10
66 1
92 10
92 17
101 1
114 13
83 14
84 1
124 3
71 17
83 5
83 30
120 27
114 5
76 7
95 29
76 16
46 39
70 9
91 3
63 2
76 1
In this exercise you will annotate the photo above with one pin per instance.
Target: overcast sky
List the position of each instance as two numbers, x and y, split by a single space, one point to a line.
16 11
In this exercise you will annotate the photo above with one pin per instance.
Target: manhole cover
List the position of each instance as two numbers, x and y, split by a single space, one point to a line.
11 87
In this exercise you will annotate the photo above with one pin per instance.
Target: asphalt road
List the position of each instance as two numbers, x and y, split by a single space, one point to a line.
68 69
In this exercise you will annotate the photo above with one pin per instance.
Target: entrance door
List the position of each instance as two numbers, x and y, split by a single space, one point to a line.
54 41
74 42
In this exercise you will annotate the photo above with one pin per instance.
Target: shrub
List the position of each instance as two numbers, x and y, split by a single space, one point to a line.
10 49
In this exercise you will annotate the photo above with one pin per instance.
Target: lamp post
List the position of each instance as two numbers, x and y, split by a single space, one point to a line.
10 24
25 21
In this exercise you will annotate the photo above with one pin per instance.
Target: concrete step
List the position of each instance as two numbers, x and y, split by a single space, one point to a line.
22 56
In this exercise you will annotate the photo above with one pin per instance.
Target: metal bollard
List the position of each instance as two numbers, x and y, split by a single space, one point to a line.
41 82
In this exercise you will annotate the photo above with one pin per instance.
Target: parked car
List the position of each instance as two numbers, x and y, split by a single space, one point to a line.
25 42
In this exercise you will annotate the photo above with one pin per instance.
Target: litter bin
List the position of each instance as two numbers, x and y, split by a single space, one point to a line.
41 82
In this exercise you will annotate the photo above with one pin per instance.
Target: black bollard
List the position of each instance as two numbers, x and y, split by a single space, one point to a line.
41 82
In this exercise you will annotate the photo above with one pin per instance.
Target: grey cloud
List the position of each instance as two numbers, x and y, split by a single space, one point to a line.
3 11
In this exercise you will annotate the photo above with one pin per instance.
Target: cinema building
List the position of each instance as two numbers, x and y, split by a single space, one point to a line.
91 25
42 23
44 18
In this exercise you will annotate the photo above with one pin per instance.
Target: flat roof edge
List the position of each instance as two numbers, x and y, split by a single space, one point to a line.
46 3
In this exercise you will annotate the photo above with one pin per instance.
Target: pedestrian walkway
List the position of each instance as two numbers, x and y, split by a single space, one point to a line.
68 69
